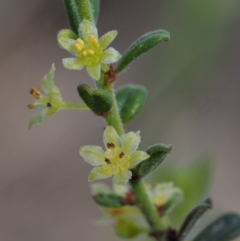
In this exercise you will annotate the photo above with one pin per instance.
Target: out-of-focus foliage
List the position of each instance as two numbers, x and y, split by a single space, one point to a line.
186 66
193 179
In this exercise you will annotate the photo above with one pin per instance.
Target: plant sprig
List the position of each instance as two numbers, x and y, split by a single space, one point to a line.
131 198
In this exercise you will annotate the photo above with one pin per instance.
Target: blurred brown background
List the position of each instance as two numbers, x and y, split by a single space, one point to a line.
193 103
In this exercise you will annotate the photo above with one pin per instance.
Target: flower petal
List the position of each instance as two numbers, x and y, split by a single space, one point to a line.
47 82
110 136
68 44
107 38
67 33
98 173
87 28
94 71
38 119
109 56
73 63
130 142
97 188
94 155
120 190
122 177
137 157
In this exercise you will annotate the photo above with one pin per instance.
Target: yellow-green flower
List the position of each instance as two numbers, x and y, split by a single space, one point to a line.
166 196
49 104
88 49
120 157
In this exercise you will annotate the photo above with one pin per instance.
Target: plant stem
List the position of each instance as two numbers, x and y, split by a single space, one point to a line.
139 189
85 10
146 205
113 118
74 106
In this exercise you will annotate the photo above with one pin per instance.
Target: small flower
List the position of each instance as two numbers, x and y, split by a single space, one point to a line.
47 105
166 197
120 157
88 49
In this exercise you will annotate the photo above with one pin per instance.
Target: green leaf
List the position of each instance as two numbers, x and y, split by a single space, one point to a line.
99 101
108 200
95 8
193 217
225 228
73 15
193 179
157 155
131 99
127 228
142 45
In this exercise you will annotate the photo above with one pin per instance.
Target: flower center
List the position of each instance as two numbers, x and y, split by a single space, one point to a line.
116 161
89 51
51 101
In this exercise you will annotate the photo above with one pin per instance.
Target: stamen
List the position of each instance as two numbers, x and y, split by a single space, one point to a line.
121 154
110 145
78 47
90 52
80 41
107 161
36 95
93 40
33 90
31 106
84 53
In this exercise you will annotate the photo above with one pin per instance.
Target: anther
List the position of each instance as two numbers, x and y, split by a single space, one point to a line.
84 53
121 155
31 106
49 105
80 42
107 161
93 40
36 95
110 145
33 90
78 47
90 52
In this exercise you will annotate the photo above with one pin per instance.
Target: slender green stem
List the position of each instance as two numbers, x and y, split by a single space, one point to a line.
85 10
113 118
146 205
74 106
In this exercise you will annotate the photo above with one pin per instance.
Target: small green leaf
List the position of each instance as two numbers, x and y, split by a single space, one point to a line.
73 15
127 228
193 217
99 101
108 200
142 45
95 8
157 155
225 228
131 99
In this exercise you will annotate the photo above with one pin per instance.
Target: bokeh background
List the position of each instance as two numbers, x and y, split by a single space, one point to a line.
193 103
